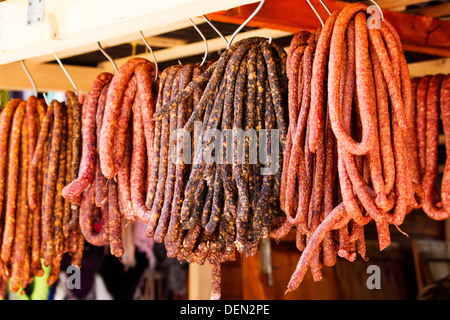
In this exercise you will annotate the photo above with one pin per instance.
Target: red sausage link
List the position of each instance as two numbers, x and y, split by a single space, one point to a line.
6 117
100 181
115 220
384 126
12 181
391 80
432 141
318 80
112 112
312 246
123 181
144 78
421 122
137 174
445 114
72 191
123 121
363 78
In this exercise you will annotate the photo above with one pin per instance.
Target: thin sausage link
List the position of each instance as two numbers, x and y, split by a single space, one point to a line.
384 126
391 81
123 121
87 162
363 78
12 183
313 245
50 183
421 121
20 244
318 79
431 166
112 113
445 114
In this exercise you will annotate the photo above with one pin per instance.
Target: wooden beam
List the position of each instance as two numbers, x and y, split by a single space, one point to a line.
199 281
420 32
390 4
162 42
135 38
423 68
196 48
48 77
438 10
75 26
399 9
431 50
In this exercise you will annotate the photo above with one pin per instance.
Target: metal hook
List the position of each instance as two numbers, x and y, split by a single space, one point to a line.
204 39
245 23
29 77
381 11
66 73
326 8
215 29
315 11
151 52
107 56
45 98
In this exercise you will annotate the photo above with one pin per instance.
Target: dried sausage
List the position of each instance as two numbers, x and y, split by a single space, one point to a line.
431 165
143 73
137 170
12 183
445 114
115 220
391 81
157 179
363 79
48 200
123 180
311 248
72 191
176 169
384 126
123 121
112 113
99 180
421 121
318 79
20 244
169 124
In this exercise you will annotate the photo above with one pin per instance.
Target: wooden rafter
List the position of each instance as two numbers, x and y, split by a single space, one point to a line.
163 42
438 10
71 27
391 4
423 68
47 77
419 33
196 48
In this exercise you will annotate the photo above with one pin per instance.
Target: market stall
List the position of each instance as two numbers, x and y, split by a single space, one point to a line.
224 149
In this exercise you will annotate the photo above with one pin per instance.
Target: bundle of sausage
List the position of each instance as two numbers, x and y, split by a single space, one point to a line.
348 159
226 203
103 186
167 179
39 155
432 108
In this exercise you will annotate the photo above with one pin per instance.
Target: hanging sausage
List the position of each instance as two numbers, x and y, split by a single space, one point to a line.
346 163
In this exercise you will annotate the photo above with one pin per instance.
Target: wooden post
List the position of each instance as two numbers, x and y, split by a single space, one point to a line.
199 281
